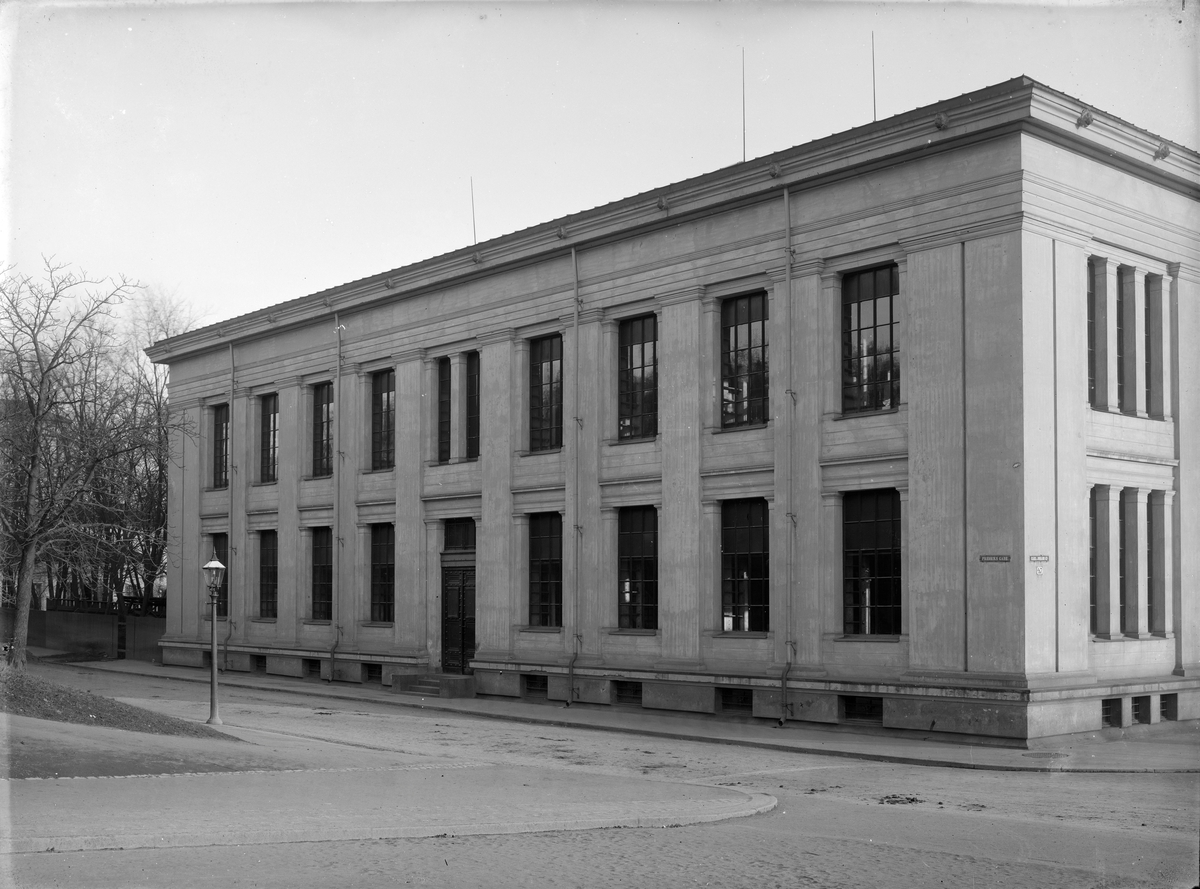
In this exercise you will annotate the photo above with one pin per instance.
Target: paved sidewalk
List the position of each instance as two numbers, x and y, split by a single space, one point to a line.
1162 748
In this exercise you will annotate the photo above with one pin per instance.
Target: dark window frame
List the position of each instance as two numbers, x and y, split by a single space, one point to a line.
872 550
220 548
637 377
268 574
1093 585
1091 329
268 437
322 573
383 419
383 572
444 427
745 362
322 430
637 568
1123 388
472 413
220 453
546 393
745 566
459 534
545 569
870 351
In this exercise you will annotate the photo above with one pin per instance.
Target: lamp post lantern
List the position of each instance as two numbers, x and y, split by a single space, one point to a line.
214 573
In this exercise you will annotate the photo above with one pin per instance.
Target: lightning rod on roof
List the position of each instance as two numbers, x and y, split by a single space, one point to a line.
874 113
474 237
743 104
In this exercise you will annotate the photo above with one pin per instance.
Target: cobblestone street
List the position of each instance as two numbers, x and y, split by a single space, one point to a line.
837 821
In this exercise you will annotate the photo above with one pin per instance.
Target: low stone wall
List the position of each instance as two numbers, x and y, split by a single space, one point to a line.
92 633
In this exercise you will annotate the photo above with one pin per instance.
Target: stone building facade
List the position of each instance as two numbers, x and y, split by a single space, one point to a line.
897 427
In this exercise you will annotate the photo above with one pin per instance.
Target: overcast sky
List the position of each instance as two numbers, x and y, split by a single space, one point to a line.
242 155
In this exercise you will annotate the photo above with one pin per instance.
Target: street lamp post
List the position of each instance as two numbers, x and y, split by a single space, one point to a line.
214 572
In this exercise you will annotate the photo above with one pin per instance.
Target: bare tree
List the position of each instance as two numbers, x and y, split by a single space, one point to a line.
67 418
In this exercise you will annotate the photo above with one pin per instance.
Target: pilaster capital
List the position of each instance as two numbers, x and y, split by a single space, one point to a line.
497 337
410 355
675 297
807 267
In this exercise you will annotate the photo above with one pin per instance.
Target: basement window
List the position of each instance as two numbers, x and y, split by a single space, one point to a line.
856 708
625 692
1168 708
1110 713
535 686
1141 710
311 667
374 673
736 700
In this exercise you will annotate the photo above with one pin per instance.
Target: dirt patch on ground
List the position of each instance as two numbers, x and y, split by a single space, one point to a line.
24 695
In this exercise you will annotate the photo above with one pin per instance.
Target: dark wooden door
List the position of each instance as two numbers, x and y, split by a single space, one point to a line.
458 618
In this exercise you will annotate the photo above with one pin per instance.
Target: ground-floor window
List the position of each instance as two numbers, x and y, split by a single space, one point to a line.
322 574
745 566
545 570
871 562
637 568
268 574
220 543
383 572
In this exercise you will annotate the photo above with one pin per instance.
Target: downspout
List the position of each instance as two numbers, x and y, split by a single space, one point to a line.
232 540
337 497
789 644
577 537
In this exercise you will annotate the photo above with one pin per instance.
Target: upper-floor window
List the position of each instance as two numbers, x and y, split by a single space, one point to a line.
744 378
268 438
322 429
1091 330
871 562
383 572
268 574
637 568
545 570
745 566
443 410
383 419
545 393
637 378
1123 390
870 352
220 450
472 405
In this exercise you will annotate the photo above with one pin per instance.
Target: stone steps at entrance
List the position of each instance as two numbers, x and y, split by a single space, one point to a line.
435 685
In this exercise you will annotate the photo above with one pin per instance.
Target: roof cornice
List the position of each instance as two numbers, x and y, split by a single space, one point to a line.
1018 105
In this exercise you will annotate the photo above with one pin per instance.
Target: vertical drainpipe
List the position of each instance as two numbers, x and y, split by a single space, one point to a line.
577 536
232 540
337 496
789 644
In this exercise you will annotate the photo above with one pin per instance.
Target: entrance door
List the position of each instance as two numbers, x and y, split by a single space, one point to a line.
458 617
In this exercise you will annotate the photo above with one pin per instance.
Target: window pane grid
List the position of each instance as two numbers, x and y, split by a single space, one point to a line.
383 419
383 572
871 563
870 366
268 438
545 393
443 414
460 534
221 446
744 374
637 568
1122 395
322 429
268 574
472 405
637 378
545 570
745 566
322 574
220 544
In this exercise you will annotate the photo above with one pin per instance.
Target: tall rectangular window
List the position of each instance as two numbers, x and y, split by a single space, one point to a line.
443 410
1091 332
322 573
268 438
322 429
745 566
545 570
870 351
1122 580
383 419
637 378
220 452
545 393
744 378
220 544
1122 389
871 563
1150 563
383 572
1148 343
268 574
472 405
637 568
1092 587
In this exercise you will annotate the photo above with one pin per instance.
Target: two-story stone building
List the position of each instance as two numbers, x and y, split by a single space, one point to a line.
898 427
